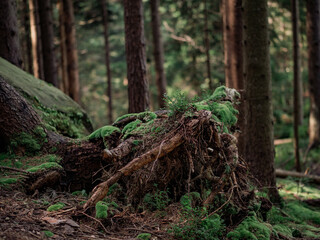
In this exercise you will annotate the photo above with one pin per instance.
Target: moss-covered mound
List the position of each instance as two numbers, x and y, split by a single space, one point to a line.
58 111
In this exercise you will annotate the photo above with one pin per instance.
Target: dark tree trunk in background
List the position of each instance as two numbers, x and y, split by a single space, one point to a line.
297 83
207 44
107 57
35 32
72 55
25 38
138 89
47 40
233 57
158 52
63 51
313 37
259 149
9 39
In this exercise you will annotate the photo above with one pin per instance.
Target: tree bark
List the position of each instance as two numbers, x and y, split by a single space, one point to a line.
26 40
72 56
259 149
9 39
47 40
158 52
233 58
297 83
107 57
313 38
37 58
207 44
63 50
232 39
138 89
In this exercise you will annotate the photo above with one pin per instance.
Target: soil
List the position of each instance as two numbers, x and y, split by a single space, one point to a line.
25 217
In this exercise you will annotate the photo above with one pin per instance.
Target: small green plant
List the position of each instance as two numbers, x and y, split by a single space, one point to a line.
144 236
48 233
55 207
80 193
178 103
159 200
101 210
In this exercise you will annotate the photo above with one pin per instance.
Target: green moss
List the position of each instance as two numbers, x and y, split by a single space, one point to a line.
80 193
144 236
55 207
44 166
48 233
101 210
137 142
6 181
26 141
283 229
103 132
126 131
302 213
251 228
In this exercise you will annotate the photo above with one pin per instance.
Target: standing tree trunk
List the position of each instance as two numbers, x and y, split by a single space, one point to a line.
107 57
207 44
158 52
25 38
72 56
9 39
37 58
313 36
233 57
138 89
297 83
47 40
63 50
259 149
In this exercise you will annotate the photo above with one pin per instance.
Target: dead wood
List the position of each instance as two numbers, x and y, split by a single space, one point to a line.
165 147
283 174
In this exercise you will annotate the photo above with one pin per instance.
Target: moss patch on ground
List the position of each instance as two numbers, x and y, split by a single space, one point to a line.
55 207
103 132
44 166
101 210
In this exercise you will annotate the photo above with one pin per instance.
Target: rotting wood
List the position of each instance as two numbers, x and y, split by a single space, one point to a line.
283 174
167 146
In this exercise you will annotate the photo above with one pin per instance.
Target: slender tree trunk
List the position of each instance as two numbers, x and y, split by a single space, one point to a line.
9 39
259 149
297 83
35 32
158 52
107 57
232 39
313 36
63 50
25 37
72 56
138 89
233 58
207 44
47 40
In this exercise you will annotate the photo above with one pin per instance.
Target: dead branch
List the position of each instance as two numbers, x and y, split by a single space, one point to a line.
283 174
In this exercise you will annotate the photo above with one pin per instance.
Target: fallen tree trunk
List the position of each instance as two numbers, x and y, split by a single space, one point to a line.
283 174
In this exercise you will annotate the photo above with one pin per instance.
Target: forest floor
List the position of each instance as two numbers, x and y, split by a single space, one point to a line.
27 217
